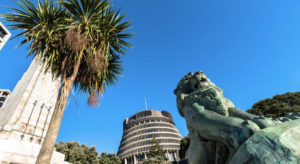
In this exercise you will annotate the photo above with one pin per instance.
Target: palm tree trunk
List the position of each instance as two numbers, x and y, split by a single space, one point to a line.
48 145
52 133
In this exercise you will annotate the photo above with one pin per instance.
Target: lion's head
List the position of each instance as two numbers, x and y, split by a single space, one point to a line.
197 88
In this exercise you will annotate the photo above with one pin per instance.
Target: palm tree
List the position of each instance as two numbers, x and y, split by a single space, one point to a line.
80 41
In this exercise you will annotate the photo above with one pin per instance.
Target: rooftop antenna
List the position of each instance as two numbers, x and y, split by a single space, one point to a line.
146 103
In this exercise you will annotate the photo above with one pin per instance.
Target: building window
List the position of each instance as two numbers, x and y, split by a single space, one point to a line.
3 97
3 33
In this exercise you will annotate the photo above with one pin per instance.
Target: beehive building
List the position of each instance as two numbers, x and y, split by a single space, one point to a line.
141 128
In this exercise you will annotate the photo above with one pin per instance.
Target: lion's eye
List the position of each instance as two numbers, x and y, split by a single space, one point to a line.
203 79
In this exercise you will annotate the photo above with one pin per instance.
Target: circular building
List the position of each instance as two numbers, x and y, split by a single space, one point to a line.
141 128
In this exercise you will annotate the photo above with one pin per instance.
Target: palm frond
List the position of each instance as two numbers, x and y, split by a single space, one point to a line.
57 32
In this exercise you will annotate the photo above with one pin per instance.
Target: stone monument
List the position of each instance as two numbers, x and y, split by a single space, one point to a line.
25 116
220 133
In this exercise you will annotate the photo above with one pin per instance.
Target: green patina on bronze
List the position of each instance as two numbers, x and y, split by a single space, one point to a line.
216 128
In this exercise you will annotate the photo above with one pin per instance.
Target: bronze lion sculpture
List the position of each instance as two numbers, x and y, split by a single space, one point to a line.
216 128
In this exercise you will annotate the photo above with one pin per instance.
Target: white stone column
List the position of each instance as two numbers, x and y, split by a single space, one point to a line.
145 155
134 159
125 160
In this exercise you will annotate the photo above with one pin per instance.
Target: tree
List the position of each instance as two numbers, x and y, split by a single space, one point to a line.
155 160
109 159
277 106
156 155
156 150
184 145
78 154
82 154
80 41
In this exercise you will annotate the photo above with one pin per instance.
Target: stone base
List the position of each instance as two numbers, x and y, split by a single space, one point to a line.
24 152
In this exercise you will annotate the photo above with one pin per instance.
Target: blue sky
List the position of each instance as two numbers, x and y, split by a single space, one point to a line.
250 49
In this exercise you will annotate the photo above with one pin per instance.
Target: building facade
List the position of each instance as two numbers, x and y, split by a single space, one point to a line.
25 116
4 35
4 94
141 128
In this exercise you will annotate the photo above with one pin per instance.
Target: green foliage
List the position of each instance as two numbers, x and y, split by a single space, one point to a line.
156 155
82 154
80 41
109 159
156 150
78 154
63 33
277 106
184 145
155 160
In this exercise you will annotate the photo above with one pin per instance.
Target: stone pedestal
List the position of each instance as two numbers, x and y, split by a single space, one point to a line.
23 152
